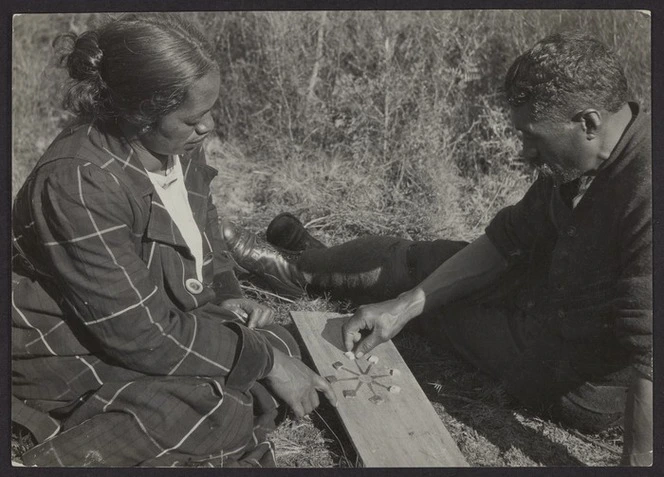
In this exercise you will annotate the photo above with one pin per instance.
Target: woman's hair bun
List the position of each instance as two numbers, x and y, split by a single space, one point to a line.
84 60
82 57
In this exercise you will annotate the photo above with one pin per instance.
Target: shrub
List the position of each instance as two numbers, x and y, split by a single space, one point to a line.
367 122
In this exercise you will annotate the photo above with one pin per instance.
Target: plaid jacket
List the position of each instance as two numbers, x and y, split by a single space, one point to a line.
101 283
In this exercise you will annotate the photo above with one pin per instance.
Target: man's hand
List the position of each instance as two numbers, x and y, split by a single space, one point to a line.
254 314
292 381
384 320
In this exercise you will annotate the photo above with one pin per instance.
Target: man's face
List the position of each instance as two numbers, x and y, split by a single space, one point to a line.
556 147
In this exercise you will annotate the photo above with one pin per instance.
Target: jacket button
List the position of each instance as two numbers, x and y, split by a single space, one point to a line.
571 231
561 313
193 286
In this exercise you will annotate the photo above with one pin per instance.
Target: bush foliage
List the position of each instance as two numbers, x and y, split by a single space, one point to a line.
362 122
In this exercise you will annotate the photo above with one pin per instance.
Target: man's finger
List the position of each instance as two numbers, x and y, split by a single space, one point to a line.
351 332
323 386
369 343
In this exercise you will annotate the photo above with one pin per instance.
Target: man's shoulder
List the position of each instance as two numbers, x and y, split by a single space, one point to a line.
630 175
635 148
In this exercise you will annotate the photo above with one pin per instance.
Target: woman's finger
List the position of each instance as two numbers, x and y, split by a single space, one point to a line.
313 397
298 410
268 317
254 317
323 386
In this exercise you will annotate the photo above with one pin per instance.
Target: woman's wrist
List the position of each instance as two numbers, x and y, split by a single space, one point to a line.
277 363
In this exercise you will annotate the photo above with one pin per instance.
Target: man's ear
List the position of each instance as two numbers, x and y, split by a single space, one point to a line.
590 120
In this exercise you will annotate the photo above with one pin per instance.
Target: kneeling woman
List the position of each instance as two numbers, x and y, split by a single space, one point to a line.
132 343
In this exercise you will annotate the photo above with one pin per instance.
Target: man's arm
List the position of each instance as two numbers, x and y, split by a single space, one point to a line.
509 235
633 309
472 268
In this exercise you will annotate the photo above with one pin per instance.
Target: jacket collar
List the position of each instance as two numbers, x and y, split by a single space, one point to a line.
637 131
108 149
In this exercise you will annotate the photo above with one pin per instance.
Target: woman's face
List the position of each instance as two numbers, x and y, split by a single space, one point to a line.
186 127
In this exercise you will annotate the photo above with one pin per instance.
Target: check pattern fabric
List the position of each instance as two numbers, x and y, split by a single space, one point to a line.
116 360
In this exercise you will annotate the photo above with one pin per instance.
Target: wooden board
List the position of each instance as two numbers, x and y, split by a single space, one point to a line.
387 428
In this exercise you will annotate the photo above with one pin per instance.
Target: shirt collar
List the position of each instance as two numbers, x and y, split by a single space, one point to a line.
172 174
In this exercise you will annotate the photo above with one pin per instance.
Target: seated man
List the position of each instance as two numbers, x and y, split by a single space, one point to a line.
555 299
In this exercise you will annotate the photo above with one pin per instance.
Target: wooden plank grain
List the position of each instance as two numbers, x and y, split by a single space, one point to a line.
388 417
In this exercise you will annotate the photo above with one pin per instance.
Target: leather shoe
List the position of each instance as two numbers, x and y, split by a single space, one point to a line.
287 232
276 267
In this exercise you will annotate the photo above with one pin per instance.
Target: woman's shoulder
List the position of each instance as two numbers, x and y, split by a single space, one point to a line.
96 147
74 141
79 152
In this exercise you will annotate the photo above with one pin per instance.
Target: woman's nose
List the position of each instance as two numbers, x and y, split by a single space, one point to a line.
206 124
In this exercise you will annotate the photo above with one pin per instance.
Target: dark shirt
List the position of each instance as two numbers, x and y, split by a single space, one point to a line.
588 270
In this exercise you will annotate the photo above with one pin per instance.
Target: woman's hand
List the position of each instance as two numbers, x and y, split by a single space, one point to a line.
292 381
254 314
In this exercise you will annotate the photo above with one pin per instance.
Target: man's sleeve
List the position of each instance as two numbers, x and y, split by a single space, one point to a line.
86 224
633 301
514 229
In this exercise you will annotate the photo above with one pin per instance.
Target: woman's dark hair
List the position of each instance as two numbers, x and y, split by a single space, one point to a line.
566 71
136 68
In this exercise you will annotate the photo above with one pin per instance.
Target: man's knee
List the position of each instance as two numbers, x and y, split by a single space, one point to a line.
375 267
590 408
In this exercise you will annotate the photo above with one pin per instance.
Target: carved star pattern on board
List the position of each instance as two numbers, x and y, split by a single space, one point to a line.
363 376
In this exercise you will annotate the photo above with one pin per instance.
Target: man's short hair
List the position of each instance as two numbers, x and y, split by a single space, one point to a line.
565 72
